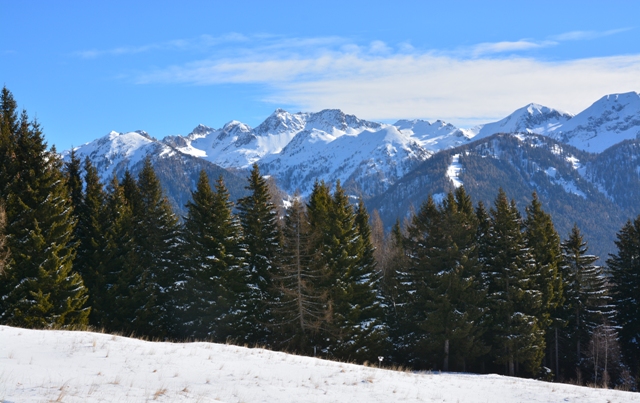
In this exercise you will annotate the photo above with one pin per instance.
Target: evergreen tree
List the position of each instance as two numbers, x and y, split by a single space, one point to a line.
625 276
119 268
363 333
214 265
302 310
73 173
544 244
4 252
587 303
40 289
9 124
91 241
155 230
259 219
449 293
514 331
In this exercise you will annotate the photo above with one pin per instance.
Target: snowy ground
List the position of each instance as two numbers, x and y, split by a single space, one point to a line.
57 366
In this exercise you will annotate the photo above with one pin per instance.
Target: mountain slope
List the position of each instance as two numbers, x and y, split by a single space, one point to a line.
610 120
520 164
532 118
178 172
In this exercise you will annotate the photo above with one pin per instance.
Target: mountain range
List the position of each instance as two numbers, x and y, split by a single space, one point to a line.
576 163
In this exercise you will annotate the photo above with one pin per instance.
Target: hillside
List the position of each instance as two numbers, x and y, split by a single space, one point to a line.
62 366
572 184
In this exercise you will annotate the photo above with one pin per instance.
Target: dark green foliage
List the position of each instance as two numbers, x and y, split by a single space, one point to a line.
39 288
587 305
444 294
89 234
508 162
119 269
262 239
341 237
513 297
214 270
9 124
303 307
544 244
155 230
624 267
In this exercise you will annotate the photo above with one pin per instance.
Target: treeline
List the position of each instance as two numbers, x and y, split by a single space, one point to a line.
458 287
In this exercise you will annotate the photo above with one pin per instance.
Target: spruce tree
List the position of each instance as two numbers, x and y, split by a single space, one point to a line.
119 268
449 295
587 305
363 333
215 275
302 310
156 236
41 289
514 331
9 124
544 244
91 241
625 277
259 220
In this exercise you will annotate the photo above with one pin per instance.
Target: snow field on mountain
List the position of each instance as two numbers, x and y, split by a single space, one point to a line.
41 366
453 171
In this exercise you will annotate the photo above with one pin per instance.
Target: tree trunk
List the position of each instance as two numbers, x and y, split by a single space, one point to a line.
445 366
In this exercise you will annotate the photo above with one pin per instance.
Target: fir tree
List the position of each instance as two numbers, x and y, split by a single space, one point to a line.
544 244
363 333
41 289
91 241
73 174
9 124
625 276
214 265
259 219
302 310
514 331
587 303
119 268
449 293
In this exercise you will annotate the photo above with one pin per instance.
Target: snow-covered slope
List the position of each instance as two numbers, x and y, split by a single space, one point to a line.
117 151
300 148
532 118
610 120
59 366
365 162
237 145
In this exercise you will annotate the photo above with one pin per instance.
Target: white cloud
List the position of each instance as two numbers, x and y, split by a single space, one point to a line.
409 85
586 35
502 47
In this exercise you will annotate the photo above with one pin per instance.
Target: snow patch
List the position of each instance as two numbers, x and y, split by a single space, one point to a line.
453 171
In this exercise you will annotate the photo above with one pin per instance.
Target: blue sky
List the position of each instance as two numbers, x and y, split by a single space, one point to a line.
86 68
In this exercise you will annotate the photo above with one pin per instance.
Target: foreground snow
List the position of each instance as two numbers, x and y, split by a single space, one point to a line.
41 366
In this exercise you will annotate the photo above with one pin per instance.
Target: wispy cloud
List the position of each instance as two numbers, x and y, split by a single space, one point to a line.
202 42
511 47
586 35
380 81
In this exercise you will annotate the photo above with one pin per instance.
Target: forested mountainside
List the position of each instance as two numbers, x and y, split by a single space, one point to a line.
574 186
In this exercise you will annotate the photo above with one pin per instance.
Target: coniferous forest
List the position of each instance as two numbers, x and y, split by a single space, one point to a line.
457 287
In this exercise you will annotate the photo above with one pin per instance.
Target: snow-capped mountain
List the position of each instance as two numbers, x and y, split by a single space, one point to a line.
610 120
297 149
117 151
366 162
237 145
532 118
300 148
